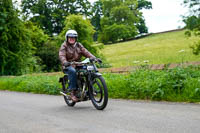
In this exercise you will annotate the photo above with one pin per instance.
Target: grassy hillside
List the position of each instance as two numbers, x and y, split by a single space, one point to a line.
172 47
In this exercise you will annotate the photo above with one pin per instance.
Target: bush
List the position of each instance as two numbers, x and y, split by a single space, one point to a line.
49 57
179 84
196 48
41 84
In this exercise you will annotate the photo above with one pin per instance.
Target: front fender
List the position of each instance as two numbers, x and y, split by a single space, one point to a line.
97 74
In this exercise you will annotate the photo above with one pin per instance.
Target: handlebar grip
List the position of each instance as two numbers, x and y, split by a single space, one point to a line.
95 60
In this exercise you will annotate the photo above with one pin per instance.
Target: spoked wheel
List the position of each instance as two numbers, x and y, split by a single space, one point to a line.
98 93
67 99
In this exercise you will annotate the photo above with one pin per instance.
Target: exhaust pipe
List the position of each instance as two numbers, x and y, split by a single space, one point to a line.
63 93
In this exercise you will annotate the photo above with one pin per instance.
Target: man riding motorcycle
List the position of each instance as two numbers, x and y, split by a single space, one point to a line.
71 50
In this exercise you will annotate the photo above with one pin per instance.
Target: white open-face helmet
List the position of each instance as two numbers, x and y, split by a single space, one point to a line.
71 33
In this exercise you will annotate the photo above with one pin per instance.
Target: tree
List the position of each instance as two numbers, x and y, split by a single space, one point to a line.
116 32
143 4
97 14
50 14
119 21
192 22
193 5
141 26
37 35
45 51
15 47
84 29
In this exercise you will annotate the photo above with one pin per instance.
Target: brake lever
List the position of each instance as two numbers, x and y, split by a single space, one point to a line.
99 60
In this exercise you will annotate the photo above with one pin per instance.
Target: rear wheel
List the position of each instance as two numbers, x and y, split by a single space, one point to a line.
99 93
67 99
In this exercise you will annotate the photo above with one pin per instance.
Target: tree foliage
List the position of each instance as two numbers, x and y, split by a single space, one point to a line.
141 26
103 9
125 16
50 14
37 35
45 51
97 13
193 5
143 4
192 22
48 54
15 44
84 29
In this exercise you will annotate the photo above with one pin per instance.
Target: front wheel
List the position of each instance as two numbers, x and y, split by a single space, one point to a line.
98 93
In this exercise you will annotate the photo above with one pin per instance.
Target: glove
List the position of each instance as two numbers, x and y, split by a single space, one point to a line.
92 59
95 59
66 64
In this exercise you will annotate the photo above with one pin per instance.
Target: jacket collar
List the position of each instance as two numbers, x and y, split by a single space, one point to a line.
67 44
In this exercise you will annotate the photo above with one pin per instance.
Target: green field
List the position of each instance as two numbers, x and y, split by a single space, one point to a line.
171 47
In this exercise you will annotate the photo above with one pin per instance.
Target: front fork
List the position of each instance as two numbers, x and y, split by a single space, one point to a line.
91 78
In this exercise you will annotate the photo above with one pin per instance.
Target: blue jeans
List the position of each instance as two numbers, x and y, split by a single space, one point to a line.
71 72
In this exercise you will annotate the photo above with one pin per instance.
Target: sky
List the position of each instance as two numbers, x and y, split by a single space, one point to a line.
165 15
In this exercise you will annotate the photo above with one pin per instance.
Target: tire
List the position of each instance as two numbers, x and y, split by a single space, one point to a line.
68 101
98 93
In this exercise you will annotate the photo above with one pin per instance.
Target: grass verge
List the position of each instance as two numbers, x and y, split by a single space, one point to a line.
178 84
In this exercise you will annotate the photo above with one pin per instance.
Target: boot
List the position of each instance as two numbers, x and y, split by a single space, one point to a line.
73 97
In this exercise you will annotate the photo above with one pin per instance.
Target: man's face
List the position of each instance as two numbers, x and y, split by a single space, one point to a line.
71 40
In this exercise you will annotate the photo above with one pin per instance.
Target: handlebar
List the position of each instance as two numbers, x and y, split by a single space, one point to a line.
96 60
77 63
85 62
93 60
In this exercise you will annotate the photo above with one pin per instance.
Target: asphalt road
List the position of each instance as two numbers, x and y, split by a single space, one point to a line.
34 113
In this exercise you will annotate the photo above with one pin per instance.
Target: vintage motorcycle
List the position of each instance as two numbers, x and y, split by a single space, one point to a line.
90 85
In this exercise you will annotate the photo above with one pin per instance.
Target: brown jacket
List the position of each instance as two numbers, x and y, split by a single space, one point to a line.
74 52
